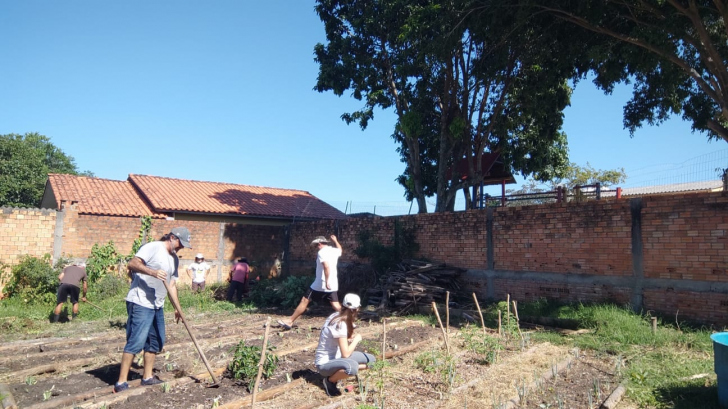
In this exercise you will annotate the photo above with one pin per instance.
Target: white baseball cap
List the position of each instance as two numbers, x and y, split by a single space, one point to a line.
352 301
199 255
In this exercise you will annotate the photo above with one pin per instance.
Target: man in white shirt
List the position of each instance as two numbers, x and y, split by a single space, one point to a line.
326 285
154 264
197 272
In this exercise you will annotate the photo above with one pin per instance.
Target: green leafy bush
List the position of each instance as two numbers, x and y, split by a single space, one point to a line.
284 293
101 259
34 279
264 294
244 365
108 286
293 290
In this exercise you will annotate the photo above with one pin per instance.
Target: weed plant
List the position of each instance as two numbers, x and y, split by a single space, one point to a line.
244 365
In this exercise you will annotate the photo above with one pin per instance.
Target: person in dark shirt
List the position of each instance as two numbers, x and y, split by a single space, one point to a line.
70 278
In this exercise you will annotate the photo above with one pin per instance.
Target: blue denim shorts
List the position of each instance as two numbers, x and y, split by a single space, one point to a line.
144 329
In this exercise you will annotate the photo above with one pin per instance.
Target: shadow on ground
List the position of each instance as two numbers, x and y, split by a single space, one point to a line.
689 396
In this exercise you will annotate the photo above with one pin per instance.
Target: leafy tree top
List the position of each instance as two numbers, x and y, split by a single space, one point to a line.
25 162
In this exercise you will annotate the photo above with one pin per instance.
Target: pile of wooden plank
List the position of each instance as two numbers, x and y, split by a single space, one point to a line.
415 284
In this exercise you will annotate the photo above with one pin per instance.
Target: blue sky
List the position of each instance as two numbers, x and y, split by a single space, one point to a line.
223 91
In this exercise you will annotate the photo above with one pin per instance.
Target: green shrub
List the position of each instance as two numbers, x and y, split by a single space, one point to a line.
34 279
101 259
244 365
293 290
108 286
264 294
284 293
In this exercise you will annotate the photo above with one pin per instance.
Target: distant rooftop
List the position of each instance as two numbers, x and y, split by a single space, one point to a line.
704 186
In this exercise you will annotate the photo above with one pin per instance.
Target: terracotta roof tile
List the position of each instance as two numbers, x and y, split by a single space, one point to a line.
181 195
99 196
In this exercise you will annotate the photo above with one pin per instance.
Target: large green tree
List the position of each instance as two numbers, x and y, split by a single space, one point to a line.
675 52
463 78
25 162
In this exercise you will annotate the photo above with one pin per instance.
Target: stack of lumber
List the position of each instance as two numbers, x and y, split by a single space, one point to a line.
415 284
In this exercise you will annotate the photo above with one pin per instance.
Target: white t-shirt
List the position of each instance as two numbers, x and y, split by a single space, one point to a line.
330 255
148 291
328 346
198 271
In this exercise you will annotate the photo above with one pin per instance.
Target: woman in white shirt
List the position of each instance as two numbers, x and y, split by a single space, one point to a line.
336 357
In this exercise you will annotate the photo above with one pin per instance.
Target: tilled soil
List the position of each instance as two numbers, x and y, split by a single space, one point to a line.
462 380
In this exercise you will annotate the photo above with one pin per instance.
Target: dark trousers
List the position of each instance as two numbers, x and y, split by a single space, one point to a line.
236 290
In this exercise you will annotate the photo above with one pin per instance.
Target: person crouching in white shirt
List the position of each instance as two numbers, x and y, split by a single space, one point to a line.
336 357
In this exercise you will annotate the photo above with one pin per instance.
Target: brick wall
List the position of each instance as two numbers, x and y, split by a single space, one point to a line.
664 253
24 232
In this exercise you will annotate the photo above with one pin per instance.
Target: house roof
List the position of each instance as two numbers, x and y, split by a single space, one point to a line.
99 196
707 185
181 195
142 195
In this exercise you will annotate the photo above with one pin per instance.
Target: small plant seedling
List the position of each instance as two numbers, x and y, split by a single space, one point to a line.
30 380
47 394
166 387
216 402
169 367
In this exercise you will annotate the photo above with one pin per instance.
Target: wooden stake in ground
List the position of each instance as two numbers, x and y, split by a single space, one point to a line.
384 338
177 307
261 362
508 313
500 330
482 321
518 321
447 311
444 334
654 325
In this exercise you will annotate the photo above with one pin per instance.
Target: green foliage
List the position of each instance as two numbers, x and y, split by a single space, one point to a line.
486 346
25 162
244 365
383 258
462 83
146 227
284 293
573 175
101 259
439 363
108 286
293 290
673 53
34 279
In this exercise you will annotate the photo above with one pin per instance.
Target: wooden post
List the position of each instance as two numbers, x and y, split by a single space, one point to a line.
482 321
508 312
261 363
500 330
518 321
444 334
654 325
447 311
384 338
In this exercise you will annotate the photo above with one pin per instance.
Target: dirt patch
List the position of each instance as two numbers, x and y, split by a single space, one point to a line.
471 375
